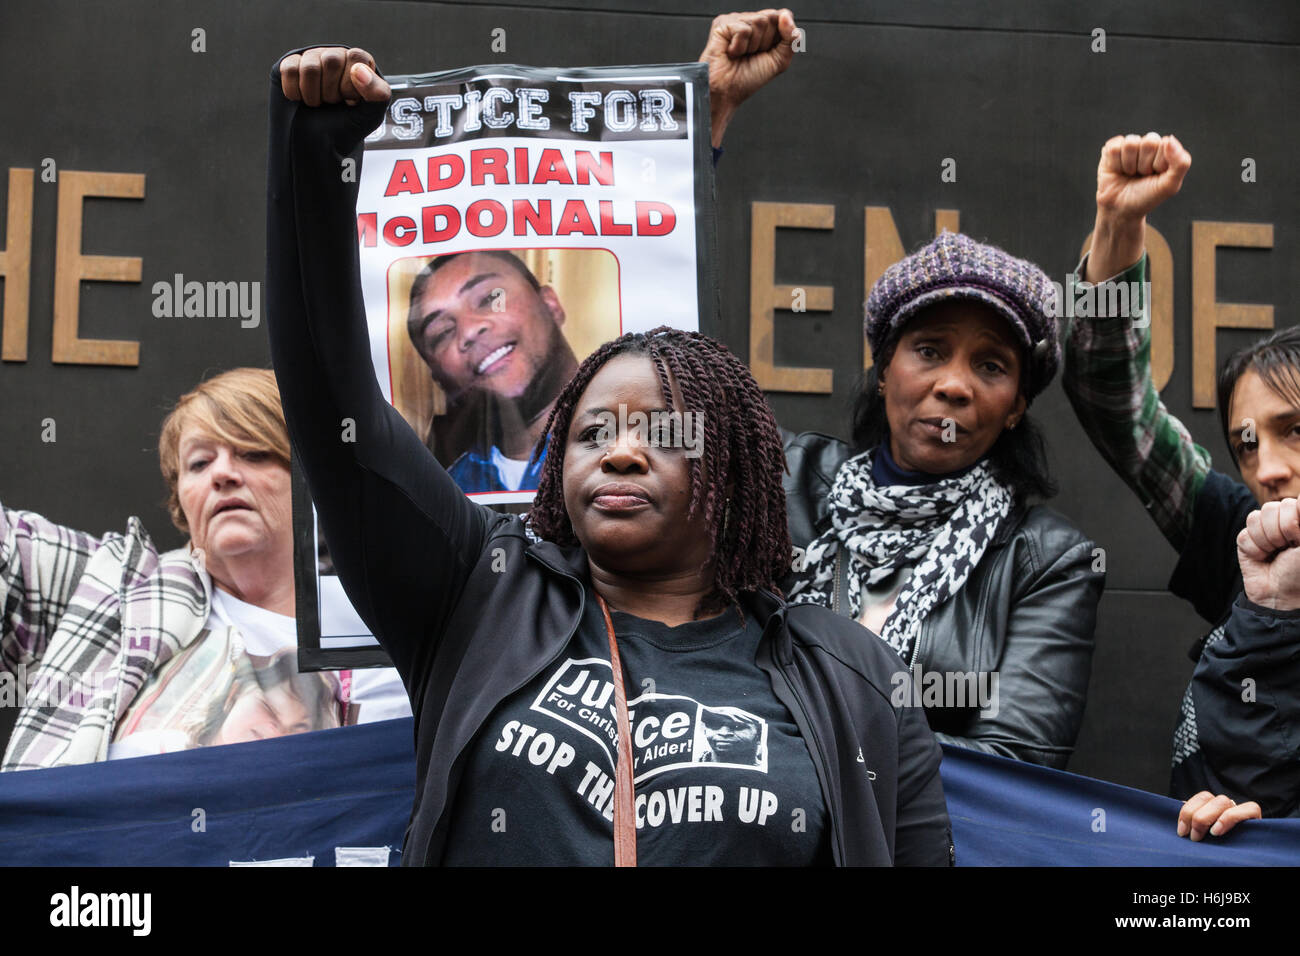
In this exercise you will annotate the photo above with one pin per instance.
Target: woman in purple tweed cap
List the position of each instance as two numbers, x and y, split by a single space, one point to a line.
924 529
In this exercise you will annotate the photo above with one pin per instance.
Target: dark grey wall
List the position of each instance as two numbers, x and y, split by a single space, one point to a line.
864 117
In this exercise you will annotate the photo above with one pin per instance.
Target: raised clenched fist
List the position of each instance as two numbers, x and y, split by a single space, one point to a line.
744 51
1268 550
1134 176
332 74
1137 173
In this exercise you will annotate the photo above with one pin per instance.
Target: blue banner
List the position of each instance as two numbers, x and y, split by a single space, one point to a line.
1008 813
305 795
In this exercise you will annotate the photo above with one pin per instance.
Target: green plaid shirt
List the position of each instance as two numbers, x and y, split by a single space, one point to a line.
1107 377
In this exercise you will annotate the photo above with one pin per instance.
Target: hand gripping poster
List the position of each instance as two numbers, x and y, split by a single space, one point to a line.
510 220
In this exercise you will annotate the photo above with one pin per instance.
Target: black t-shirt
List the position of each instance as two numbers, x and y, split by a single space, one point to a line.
722 775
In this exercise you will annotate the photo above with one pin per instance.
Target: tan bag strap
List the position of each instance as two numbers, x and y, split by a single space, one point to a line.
624 818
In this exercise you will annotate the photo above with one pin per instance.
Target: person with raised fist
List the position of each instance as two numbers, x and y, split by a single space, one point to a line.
1236 539
489 331
569 673
745 51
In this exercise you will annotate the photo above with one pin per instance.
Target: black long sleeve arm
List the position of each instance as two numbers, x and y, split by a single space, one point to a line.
402 535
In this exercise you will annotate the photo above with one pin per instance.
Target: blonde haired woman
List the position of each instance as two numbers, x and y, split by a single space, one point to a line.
107 633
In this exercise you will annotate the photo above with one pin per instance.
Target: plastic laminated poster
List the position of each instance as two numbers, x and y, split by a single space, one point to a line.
510 220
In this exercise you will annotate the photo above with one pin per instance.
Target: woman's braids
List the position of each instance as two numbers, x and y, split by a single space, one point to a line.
742 447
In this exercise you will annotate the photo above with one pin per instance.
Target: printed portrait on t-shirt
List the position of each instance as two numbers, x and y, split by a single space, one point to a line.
217 692
728 735
668 731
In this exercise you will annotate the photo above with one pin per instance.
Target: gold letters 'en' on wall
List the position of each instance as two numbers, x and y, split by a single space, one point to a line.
882 247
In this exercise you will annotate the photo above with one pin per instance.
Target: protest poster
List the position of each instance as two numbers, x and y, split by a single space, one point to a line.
509 221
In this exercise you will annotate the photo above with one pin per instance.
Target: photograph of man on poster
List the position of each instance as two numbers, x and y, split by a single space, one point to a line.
479 348
490 334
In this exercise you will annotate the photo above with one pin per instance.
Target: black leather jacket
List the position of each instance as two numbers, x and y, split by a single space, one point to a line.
1027 613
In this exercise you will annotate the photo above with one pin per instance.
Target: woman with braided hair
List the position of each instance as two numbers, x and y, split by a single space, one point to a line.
567 672
749 549
924 530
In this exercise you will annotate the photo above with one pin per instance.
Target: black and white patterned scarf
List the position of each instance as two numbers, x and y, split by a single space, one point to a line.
939 530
